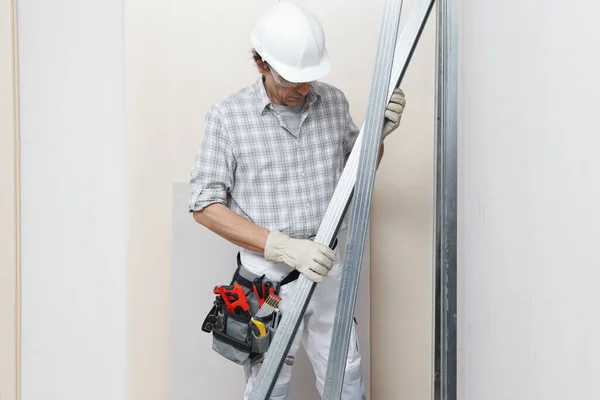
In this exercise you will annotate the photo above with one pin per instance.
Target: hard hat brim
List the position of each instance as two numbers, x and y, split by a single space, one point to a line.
300 75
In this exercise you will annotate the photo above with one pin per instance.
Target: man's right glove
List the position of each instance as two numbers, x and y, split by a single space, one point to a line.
313 260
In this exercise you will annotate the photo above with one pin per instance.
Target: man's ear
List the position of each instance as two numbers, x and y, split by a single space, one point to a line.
262 66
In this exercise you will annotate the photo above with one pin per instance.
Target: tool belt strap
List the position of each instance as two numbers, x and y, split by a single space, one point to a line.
246 278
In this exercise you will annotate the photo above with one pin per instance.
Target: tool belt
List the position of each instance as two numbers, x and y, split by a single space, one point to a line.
238 333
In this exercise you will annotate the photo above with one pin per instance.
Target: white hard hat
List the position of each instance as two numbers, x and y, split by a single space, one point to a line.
292 41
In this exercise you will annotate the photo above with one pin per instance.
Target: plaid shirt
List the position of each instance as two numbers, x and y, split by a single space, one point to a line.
280 180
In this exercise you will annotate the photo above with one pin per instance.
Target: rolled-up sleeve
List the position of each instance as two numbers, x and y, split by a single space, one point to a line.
351 132
212 176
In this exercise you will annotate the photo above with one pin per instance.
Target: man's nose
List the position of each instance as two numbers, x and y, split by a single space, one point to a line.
303 88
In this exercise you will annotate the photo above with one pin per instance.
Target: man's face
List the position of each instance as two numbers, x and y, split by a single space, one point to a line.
289 96
281 93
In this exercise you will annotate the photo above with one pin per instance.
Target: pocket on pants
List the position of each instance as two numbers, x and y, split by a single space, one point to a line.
353 346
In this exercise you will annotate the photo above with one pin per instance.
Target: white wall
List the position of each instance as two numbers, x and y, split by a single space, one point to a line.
73 200
529 192
97 188
8 236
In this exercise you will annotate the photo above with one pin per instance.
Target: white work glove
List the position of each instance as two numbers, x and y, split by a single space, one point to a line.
313 260
393 112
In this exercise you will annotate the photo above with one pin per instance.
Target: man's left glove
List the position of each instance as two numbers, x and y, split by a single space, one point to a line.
393 113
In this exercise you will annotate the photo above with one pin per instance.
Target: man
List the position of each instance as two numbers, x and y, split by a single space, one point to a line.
269 163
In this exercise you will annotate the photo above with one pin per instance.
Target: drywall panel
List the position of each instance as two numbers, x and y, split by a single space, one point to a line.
202 260
73 200
528 220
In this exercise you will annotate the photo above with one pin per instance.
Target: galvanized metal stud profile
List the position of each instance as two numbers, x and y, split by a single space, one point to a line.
360 211
446 202
363 193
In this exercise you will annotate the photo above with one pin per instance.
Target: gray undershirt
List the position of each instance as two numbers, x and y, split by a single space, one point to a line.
290 116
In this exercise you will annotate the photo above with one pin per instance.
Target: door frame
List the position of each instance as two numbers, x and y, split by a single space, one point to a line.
10 257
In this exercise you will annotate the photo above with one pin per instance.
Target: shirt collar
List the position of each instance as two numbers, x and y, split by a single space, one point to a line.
263 100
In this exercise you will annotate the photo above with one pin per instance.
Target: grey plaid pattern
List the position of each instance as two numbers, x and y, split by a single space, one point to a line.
250 162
